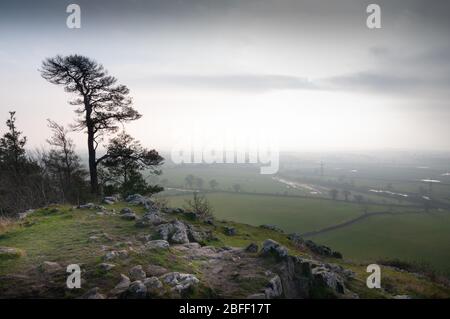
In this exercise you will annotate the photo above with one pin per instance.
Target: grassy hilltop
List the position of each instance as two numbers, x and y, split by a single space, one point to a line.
106 244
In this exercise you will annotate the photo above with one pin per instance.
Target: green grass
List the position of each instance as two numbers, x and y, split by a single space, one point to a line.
291 214
418 238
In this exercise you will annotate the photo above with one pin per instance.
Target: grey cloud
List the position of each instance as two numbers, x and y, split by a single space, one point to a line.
239 82
378 82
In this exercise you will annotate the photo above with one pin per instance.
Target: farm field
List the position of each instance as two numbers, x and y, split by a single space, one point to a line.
420 238
291 214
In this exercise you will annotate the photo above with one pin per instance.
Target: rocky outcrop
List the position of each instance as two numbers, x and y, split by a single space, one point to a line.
175 232
137 273
116 254
152 218
138 199
274 288
110 199
122 286
136 290
321 250
180 282
154 286
157 244
272 248
156 271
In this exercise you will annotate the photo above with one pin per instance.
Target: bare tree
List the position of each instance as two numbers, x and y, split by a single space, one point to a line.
199 205
102 104
63 165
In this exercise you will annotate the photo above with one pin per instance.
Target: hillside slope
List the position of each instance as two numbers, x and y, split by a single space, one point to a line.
135 250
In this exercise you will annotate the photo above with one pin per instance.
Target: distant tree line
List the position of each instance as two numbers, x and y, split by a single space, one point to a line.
57 174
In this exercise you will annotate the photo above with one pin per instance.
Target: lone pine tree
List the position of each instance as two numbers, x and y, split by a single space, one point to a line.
102 103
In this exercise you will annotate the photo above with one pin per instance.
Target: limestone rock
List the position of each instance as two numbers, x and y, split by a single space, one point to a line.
137 273
175 232
122 286
151 219
179 281
271 247
329 279
155 270
94 293
136 290
154 286
274 289
157 244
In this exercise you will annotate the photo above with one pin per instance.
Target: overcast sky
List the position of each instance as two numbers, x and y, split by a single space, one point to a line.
308 73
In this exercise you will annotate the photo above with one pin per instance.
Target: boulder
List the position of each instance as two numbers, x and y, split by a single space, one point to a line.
328 278
87 206
151 219
136 290
137 273
322 249
271 247
153 285
155 270
122 286
175 232
92 206
157 244
110 200
274 288
93 293
179 281
252 248
138 199
116 254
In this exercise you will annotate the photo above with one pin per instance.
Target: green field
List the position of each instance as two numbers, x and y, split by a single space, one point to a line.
291 214
420 238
